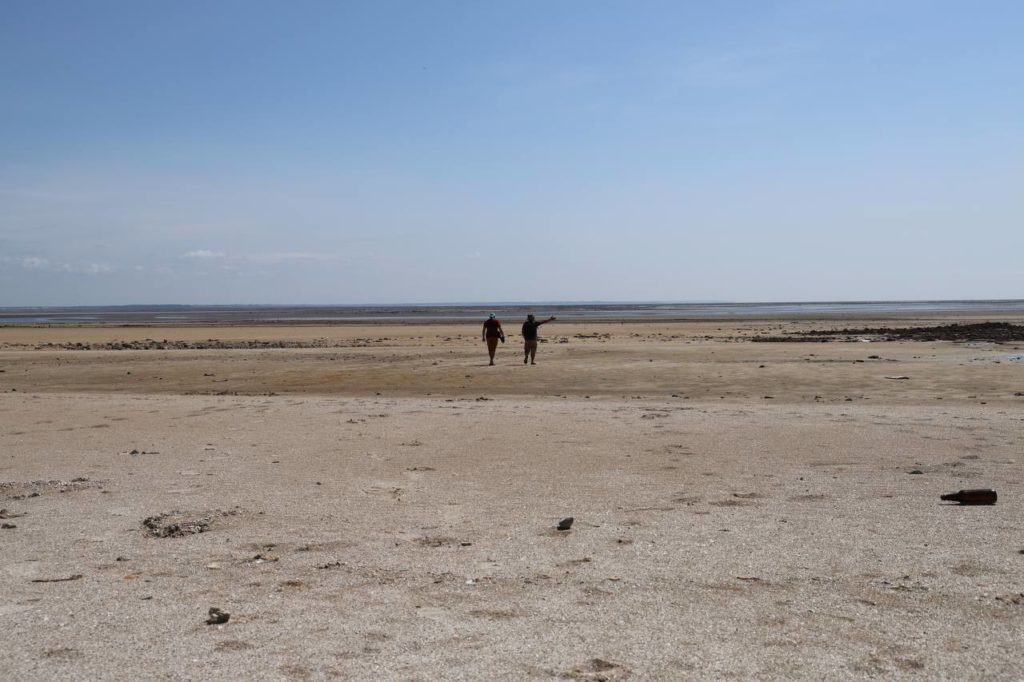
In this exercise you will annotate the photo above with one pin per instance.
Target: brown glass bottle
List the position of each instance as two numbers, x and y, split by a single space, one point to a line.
976 496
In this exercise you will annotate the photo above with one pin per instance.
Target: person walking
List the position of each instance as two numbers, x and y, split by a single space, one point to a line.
492 332
530 337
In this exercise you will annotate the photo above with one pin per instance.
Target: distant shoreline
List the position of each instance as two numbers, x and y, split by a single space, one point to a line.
187 315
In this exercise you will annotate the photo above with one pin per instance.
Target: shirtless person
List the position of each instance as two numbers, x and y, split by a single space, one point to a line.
491 333
530 337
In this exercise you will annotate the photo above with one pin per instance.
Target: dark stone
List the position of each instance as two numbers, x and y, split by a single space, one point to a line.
217 617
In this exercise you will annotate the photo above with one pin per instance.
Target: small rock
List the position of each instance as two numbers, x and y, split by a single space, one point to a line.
916 471
263 559
565 524
7 526
217 617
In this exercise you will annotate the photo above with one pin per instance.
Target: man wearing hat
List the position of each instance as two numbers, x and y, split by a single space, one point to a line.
492 333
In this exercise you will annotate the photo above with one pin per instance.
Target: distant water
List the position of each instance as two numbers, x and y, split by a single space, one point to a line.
188 314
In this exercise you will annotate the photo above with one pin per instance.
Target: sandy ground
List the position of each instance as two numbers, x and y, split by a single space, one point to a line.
384 508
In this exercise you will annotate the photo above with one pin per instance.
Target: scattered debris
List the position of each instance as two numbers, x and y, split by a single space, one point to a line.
19 490
897 376
435 541
176 524
565 524
77 576
916 471
217 617
7 526
329 565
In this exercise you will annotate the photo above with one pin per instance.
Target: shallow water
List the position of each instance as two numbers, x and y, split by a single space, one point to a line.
427 313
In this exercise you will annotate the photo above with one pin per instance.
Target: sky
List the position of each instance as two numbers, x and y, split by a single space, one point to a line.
307 152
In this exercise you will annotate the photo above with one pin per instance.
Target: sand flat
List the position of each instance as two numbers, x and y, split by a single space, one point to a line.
373 515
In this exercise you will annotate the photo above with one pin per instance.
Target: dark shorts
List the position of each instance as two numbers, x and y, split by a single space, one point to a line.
530 345
492 343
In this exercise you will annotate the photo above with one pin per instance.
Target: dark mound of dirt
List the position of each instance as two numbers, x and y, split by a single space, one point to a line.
995 332
176 524
18 490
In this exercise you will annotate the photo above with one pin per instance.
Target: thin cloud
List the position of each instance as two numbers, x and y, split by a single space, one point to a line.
27 262
45 264
279 257
34 263
261 258
95 269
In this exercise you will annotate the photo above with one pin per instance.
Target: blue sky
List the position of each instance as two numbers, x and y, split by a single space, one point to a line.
344 152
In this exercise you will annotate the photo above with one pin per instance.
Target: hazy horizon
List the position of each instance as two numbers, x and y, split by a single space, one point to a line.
368 153
513 303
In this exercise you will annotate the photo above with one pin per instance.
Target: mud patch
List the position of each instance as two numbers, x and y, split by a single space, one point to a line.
994 332
19 490
231 645
596 669
495 614
436 541
176 524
